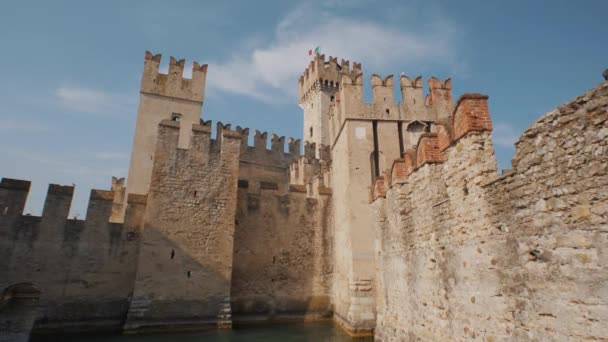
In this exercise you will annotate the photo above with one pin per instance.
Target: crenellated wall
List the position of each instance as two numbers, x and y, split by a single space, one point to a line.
258 164
349 104
394 220
317 88
162 97
360 140
282 256
83 269
282 266
463 253
185 261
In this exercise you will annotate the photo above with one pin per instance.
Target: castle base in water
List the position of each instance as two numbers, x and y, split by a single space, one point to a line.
393 222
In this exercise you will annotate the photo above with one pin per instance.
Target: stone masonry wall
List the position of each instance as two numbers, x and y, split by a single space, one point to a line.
83 269
163 96
282 256
185 262
462 253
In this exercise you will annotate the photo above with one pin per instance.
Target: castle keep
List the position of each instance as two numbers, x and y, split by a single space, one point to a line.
393 221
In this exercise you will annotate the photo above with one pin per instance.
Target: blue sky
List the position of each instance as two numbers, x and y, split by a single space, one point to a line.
71 69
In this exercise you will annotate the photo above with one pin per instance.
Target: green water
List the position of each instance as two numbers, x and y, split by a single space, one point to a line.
297 332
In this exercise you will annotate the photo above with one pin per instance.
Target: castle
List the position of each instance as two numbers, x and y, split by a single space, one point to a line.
394 221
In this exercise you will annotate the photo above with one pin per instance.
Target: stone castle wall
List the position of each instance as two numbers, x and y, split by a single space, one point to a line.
447 249
148 271
84 269
462 253
282 256
185 260
364 139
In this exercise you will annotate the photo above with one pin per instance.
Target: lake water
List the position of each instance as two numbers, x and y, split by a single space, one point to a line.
325 331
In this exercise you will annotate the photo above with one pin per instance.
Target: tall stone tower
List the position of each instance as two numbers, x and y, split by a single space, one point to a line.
317 88
163 96
363 139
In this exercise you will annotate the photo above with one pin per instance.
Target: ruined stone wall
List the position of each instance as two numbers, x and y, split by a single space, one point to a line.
282 256
185 262
462 253
84 269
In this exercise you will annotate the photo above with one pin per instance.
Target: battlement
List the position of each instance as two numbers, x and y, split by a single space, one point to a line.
14 192
118 205
428 150
349 102
200 139
260 154
173 84
257 154
324 75
307 169
470 116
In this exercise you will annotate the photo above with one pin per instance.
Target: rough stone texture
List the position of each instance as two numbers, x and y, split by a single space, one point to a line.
185 260
282 256
364 140
447 250
84 269
462 253
18 311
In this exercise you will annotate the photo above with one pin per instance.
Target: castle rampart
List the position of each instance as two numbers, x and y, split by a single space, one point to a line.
83 268
365 139
188 231
348 103
292 279
393 221
465 253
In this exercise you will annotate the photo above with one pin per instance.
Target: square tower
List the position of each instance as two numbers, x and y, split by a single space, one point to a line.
317 87
163 96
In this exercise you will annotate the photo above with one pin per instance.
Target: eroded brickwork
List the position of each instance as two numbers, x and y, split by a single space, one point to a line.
465 254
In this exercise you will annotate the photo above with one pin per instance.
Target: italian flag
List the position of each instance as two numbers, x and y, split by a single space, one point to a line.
316 51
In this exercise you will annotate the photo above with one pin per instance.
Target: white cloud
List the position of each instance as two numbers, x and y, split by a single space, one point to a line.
275 68
21 126
504 135
93 101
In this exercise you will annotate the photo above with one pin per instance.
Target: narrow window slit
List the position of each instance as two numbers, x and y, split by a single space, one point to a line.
400 132
376 150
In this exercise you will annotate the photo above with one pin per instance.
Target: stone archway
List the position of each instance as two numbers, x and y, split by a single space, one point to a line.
18 311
